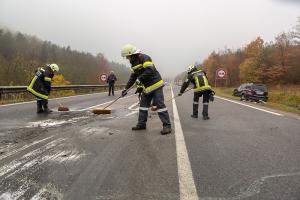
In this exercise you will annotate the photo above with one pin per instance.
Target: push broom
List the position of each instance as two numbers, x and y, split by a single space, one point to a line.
104 110
61 107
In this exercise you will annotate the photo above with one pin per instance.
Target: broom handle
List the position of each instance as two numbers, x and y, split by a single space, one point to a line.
117 98
178 95
112 102
59 103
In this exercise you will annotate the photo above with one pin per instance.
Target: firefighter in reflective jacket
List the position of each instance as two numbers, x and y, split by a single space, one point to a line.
144 70
40 86
201 88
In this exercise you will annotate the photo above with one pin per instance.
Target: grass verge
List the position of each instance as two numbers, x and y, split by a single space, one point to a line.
284 99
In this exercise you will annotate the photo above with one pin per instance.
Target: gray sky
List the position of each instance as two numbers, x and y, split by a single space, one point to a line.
175 33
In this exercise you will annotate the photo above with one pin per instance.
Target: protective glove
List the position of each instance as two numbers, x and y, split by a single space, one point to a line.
180 94
124 92
139 90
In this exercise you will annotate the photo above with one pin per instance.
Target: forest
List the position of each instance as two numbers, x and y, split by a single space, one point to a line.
273 63
21 55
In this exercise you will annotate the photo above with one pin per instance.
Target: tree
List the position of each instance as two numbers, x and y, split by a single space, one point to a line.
251 69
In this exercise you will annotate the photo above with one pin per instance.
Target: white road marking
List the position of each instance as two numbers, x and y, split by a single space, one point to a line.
103 103
131 113
134 105
187 186
267 111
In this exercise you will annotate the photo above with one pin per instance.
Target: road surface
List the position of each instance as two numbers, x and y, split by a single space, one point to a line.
243 152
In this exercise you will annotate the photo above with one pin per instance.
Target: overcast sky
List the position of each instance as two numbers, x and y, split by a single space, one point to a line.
175 33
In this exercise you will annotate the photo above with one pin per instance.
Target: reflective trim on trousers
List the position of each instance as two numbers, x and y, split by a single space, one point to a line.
143 108
195 102
162 110
205 103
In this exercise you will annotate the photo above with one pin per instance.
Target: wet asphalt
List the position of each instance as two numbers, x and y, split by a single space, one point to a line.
240 153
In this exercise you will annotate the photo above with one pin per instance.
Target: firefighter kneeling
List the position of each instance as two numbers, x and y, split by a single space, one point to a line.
40 86
201 88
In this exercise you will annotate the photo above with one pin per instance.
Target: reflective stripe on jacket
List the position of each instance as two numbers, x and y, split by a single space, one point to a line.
199 80
40 85
144 70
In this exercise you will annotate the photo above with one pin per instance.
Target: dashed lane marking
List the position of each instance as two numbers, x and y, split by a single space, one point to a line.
267 111
187 186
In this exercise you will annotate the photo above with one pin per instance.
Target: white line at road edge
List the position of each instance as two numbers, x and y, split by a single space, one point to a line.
14 104
187 186
274 113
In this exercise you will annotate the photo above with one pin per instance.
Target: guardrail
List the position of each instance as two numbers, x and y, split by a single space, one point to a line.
6 90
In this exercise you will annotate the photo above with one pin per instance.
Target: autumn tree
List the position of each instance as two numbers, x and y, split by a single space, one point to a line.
251 68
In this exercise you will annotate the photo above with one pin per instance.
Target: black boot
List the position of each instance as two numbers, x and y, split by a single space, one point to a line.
46 108
166 130
205 112
138 128
39 107
195 111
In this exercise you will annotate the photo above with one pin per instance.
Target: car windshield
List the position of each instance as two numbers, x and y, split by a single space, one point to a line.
260 87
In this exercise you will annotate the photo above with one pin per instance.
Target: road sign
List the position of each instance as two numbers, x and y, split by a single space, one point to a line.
221 74
103 77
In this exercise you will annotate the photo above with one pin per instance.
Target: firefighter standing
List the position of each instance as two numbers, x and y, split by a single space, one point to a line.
40 86
144 70
111 83
201 88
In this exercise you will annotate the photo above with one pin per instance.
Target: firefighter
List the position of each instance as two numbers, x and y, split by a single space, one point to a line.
144 70
40 86
201 88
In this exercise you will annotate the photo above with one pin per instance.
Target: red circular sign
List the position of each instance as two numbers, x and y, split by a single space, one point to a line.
103 77
221 73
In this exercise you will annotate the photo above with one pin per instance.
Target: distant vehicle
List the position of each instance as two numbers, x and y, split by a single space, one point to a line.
252 92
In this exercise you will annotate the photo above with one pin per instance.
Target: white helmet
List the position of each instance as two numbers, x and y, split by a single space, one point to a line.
54 67
128 50
191 68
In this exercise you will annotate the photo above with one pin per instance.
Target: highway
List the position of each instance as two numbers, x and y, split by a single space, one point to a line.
244 151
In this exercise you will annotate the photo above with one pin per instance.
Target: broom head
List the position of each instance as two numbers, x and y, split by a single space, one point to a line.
154 108
63 108
99 111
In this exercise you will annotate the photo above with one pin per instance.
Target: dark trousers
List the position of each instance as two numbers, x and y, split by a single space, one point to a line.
41 104
158 98
205 101
111 89
42 101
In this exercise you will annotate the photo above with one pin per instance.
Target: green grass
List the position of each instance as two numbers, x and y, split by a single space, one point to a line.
286 99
